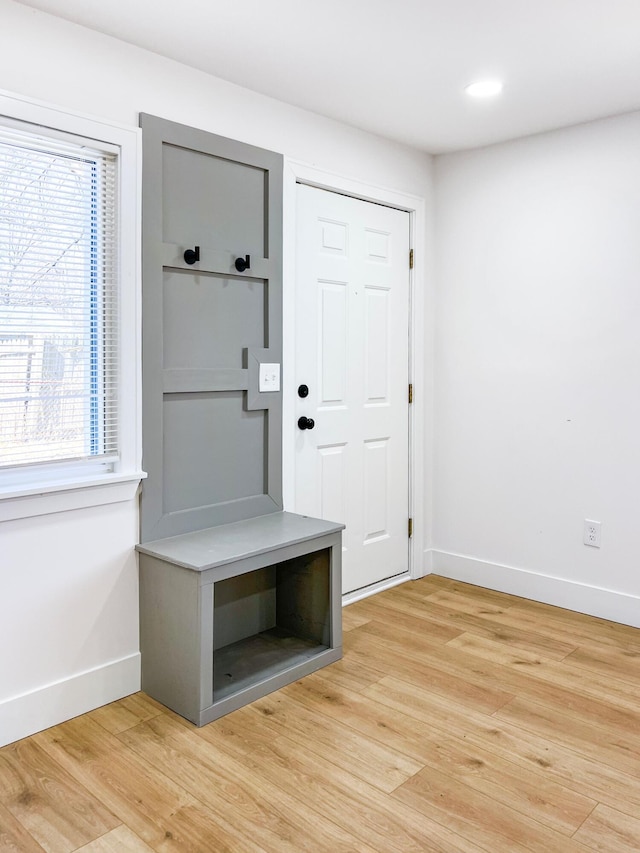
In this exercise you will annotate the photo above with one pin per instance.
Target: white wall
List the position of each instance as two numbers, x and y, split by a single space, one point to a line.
53 60
69 629
538 366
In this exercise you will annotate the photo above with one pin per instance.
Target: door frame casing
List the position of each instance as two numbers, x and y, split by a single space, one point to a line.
296 172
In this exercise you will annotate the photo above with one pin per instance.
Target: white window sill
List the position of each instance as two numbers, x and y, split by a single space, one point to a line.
66 495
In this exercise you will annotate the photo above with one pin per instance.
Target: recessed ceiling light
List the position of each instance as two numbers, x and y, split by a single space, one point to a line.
484 88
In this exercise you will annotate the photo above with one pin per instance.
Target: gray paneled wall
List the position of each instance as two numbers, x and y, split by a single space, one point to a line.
211 438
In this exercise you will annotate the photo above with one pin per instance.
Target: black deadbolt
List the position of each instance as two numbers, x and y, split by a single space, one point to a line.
303 390
306 423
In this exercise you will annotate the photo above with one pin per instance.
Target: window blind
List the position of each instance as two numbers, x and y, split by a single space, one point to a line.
58 301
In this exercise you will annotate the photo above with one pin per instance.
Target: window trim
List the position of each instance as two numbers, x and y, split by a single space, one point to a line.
63 487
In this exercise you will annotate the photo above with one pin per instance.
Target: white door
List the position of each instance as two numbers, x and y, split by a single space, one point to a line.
352 352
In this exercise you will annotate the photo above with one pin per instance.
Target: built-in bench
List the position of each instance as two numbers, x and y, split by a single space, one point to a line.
231 613
237 597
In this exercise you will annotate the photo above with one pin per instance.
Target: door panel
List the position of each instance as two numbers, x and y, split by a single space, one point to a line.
222 316
206 436
352 350
333 342
212 201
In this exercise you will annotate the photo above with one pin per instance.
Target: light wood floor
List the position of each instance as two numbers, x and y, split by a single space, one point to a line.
459 720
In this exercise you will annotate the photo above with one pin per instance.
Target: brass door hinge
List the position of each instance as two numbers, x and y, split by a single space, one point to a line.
411 392
411 259
410 528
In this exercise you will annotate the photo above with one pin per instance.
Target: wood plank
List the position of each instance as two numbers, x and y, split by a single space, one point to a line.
484 603
419 607
33 787
354 675
437 585
372 817
393 613
370 760
607 830
457 621
200 827
572 620
460 601
373 719
593 698
541 757
483 671
224 785
426 584
506 782
126 713
480 593
426 739
423 640
449 747
491 670
14 838
595 741
230 745
395 658
352 618
621 664
475 815
245 740
119 840
152 804
573 627
403 828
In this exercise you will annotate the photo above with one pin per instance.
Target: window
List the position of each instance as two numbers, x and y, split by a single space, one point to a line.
69 358
58 298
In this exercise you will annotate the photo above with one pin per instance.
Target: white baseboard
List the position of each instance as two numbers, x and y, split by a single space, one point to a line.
583 598
47 706
427 563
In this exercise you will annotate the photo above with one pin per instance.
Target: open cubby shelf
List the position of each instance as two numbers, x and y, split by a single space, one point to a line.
256 659
230 613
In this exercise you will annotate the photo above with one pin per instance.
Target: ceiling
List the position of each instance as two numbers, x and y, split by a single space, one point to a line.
398 67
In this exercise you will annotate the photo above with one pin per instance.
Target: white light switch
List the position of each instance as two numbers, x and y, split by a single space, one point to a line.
269 379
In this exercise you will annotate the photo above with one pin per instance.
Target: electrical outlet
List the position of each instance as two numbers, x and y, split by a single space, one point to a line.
592 533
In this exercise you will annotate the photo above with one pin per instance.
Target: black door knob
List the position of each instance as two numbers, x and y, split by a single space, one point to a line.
303 390
306 423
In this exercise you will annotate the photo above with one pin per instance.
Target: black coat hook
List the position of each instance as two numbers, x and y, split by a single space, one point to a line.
243 264
192 255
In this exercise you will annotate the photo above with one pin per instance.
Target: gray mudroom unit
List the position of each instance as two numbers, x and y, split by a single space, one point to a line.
237 597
